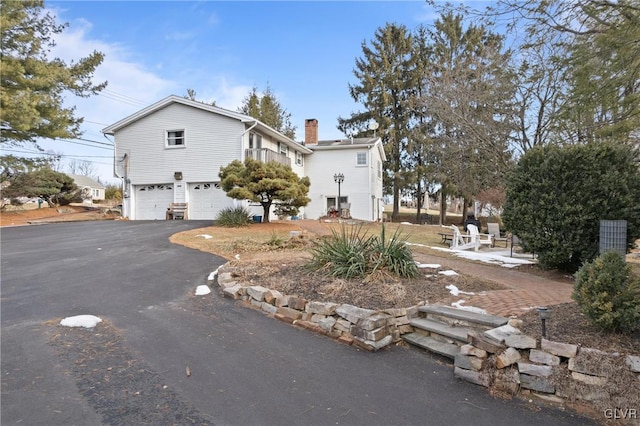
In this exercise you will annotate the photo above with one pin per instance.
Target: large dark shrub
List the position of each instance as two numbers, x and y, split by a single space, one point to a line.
556 197
608 293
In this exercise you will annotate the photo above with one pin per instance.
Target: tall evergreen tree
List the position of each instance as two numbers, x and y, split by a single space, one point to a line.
32 86
385 78
267 108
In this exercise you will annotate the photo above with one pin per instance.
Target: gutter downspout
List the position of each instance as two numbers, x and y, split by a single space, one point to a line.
124 179
255 123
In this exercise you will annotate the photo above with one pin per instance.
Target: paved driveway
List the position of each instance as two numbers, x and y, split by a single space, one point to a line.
246 369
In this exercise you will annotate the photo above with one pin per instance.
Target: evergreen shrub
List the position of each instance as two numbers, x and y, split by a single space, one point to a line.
608 293
233 217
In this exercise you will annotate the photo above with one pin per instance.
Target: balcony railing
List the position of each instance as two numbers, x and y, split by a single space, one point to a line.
265 155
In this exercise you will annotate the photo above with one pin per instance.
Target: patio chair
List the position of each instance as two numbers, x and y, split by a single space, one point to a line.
478 238
494 229
461 241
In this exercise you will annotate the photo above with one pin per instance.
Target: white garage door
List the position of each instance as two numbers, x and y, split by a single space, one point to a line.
206 199
152 201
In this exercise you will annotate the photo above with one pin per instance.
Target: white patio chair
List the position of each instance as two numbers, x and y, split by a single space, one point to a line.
479 239
461 241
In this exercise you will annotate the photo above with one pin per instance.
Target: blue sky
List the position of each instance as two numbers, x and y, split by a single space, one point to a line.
305 51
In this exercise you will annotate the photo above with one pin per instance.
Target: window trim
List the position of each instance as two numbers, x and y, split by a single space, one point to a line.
366 158
299 159
174 146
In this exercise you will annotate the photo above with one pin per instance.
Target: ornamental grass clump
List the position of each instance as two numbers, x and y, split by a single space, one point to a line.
351 253
608 293
233 217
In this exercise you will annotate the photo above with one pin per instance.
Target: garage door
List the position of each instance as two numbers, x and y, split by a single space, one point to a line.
206 200
152 201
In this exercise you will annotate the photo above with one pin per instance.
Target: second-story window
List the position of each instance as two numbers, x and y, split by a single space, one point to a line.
255 141
175 138
361 158
298 158
283 149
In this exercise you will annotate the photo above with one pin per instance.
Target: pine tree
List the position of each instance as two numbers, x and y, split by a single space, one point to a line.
267 108
32 86
385 79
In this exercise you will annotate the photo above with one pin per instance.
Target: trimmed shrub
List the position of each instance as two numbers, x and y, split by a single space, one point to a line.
233 217
352 253
608 293
556 197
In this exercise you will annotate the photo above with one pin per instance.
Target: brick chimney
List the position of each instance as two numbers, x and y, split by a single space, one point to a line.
311 131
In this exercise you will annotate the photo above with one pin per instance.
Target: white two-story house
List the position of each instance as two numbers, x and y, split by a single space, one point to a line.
172 152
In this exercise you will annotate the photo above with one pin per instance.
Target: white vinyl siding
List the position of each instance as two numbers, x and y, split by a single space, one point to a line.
214 141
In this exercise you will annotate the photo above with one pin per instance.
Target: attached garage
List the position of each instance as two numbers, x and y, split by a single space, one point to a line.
152 201
206 200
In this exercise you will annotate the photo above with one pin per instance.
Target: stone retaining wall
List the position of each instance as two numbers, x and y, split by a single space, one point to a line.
506 360
503 358
366 328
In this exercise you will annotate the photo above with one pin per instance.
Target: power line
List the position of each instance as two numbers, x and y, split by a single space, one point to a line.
114 96
58 154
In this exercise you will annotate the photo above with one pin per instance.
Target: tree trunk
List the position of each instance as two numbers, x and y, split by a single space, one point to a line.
443 207
396 202
266 207
465 207
418 202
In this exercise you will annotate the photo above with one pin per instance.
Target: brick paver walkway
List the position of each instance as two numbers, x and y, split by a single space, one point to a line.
523 291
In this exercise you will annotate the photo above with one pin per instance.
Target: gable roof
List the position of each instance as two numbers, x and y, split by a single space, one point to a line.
173 99
351 143
86 181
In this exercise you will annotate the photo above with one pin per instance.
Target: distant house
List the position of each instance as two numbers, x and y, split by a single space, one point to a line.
172 152
91 190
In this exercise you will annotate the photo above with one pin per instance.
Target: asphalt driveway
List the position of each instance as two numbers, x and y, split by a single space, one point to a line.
243 367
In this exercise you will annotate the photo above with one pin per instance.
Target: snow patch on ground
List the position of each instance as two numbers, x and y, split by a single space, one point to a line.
201 290
205 236
448 273
501 258
456 292
86 321
428 265
212 275
459 303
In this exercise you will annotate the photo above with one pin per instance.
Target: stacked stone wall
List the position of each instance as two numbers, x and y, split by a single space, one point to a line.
503 359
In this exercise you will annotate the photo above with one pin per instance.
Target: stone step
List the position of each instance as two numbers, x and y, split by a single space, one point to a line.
425 342
484 320
437 327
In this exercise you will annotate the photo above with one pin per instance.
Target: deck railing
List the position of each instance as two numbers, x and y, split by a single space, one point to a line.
266 155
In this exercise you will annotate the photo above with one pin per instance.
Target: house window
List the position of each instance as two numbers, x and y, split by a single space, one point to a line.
361 158
95 193
255 141
283 149
299 158
175 138
379 169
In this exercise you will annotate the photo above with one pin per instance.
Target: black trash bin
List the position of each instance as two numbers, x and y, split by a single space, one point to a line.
471 219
